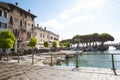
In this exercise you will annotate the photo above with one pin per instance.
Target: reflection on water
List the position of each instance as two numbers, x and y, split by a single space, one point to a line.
100 60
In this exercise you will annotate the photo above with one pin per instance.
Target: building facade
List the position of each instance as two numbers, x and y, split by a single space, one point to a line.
42 35
4 10
22 24
18 20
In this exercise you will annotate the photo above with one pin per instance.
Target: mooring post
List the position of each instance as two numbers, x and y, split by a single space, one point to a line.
18 57
32 57
51 59
113 65
76 60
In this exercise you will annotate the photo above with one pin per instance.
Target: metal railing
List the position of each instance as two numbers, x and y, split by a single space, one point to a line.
77 59
81 57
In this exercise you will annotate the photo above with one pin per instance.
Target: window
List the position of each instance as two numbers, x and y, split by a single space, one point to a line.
43 35
21 13
0 24
48 36
16 32
25 23
5 14
32 19
35 33
28 24
25 15
11 9
16 20
51 37
0 13
20 22
11 20
40 34
32 25
28 35
4 25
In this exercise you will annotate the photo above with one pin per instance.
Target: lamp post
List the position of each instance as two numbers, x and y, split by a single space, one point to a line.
51 64
19 42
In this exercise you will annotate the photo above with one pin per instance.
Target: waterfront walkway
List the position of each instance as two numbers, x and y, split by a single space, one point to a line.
14 71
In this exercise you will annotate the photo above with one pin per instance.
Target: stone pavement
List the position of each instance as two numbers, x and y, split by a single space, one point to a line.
14 71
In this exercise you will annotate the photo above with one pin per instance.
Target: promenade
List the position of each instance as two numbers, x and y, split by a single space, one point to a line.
15 71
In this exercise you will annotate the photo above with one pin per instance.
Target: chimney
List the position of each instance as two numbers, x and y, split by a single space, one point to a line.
28 10
37 25
16 3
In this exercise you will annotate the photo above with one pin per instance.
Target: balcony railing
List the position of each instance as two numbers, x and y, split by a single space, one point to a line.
10 25
23 28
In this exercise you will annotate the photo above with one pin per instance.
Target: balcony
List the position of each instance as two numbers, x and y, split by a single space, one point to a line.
32 29
10 25
3 19
23 28
4 29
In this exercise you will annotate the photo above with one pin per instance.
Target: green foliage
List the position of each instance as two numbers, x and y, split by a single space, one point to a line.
32 42
46 44
68 45
95 37
54 44
89 39
6 39
61 44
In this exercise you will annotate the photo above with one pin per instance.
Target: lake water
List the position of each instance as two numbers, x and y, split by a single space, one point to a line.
99 60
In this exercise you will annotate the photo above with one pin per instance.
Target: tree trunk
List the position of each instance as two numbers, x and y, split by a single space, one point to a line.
1 54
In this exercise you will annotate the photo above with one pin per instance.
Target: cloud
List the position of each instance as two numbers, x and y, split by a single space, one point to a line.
54 23
80 19
79 13
105 26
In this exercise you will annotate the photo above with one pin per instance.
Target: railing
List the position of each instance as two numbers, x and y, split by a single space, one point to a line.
77 58
10 25
23 28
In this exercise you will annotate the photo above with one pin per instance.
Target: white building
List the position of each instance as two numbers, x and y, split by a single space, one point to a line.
42 35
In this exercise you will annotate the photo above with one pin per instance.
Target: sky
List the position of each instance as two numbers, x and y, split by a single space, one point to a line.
71 17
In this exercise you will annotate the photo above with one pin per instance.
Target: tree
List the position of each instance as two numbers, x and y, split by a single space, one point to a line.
46 44
61 44
104 37
7 39
68 45
32 44
54 44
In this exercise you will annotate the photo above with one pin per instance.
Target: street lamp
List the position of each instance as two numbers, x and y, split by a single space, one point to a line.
51 54
19 42
51 64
